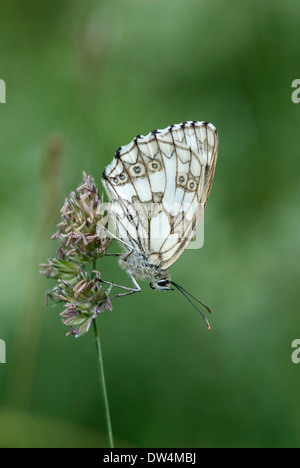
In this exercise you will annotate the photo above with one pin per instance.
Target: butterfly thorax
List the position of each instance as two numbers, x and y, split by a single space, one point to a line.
139 265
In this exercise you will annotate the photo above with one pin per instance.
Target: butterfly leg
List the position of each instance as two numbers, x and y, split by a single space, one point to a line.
135 284
114 254
133 290
110 234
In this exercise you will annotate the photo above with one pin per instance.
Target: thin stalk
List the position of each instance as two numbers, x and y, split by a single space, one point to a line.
103 385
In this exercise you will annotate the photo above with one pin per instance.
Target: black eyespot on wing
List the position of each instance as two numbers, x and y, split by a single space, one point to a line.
183 124
205 123
154 132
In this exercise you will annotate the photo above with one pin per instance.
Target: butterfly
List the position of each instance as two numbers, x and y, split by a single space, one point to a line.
158 187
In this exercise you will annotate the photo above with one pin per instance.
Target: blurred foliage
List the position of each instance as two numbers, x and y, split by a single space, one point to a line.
82 79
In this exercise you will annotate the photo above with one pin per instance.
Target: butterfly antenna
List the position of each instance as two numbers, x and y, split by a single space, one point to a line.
193 297
186 295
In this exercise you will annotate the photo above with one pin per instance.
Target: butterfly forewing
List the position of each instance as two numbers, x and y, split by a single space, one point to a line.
159 185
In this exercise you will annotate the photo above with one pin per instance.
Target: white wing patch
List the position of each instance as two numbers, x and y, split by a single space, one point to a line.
160 184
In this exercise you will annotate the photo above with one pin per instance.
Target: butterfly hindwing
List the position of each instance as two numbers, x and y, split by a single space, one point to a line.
159 185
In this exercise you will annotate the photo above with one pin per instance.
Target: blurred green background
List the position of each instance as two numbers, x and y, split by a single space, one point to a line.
82 79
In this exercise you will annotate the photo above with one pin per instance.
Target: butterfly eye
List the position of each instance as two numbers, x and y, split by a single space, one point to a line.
181 179
191 185
162 282
137 170
154 166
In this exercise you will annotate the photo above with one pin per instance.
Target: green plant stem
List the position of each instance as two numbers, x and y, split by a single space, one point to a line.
103 385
